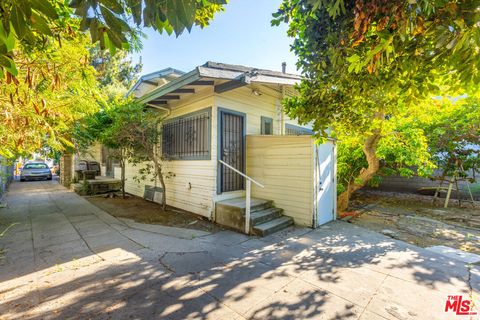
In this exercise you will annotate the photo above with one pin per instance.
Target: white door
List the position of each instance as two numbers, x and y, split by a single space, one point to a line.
326 187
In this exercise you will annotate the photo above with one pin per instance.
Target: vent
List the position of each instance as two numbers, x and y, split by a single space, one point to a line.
150 193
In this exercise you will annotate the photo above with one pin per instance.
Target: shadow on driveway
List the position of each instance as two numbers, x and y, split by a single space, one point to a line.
339 271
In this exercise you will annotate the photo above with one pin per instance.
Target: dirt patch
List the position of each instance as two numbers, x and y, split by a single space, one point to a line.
415 219
144 211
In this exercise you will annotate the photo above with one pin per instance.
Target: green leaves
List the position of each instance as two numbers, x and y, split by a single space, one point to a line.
31 16
453 132
7 39
406 54
40 24
25 22
114 22
94 26
7 63
334 9
43 91
136 10
18 22
371 65
354 63
113 5
44 7
114 31
43 96
107 21
7 43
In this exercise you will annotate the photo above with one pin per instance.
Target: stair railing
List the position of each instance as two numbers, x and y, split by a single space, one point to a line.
248 196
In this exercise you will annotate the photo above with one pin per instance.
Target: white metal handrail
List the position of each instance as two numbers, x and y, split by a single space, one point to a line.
248 193
242 174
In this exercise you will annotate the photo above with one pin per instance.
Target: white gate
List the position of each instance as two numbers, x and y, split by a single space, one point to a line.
325 186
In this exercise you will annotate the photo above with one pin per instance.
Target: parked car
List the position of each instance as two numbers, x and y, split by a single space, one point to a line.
35 171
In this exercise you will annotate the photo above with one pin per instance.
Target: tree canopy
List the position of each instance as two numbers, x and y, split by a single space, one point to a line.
453 132
132 132
359 55
114 24
366 63
114 70
54 87
54 68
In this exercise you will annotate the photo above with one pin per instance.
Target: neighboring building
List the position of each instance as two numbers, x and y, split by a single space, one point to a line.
234 114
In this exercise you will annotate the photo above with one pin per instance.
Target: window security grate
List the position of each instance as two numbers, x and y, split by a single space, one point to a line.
187 137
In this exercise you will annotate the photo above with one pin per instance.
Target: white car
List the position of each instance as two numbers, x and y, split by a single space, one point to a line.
35 171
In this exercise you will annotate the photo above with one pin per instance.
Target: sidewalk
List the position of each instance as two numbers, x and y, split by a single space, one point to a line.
66 259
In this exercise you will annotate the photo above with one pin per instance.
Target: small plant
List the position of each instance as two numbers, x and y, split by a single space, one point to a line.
85 189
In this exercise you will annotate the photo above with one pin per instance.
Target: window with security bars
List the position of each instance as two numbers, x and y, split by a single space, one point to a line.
187 137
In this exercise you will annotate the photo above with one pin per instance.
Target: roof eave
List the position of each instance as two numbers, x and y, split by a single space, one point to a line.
205 72
275 80
153 75
237 75
181 81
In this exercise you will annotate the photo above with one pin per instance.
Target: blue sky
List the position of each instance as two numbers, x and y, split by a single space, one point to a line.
240 35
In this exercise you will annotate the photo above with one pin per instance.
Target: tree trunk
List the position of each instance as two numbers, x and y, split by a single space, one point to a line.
122 176
159 173
369 149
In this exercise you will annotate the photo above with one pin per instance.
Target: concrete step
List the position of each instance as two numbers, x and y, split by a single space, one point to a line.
231 212
261 206
272 226
265 215
239 204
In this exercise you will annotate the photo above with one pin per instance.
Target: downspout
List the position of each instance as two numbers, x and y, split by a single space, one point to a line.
316 179
161 108
282 116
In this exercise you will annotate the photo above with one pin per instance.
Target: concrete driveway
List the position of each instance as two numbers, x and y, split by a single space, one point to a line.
63 258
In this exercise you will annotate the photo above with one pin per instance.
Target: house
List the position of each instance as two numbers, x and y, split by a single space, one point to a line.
224 127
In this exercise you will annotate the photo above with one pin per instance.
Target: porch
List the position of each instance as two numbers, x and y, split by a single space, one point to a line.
294 182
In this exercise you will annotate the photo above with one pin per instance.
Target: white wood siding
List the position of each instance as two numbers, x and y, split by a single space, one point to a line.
284 165
254 107
243 100
193 183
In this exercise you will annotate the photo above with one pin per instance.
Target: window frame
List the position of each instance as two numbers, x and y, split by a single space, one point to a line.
208 156
301 131
263 121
